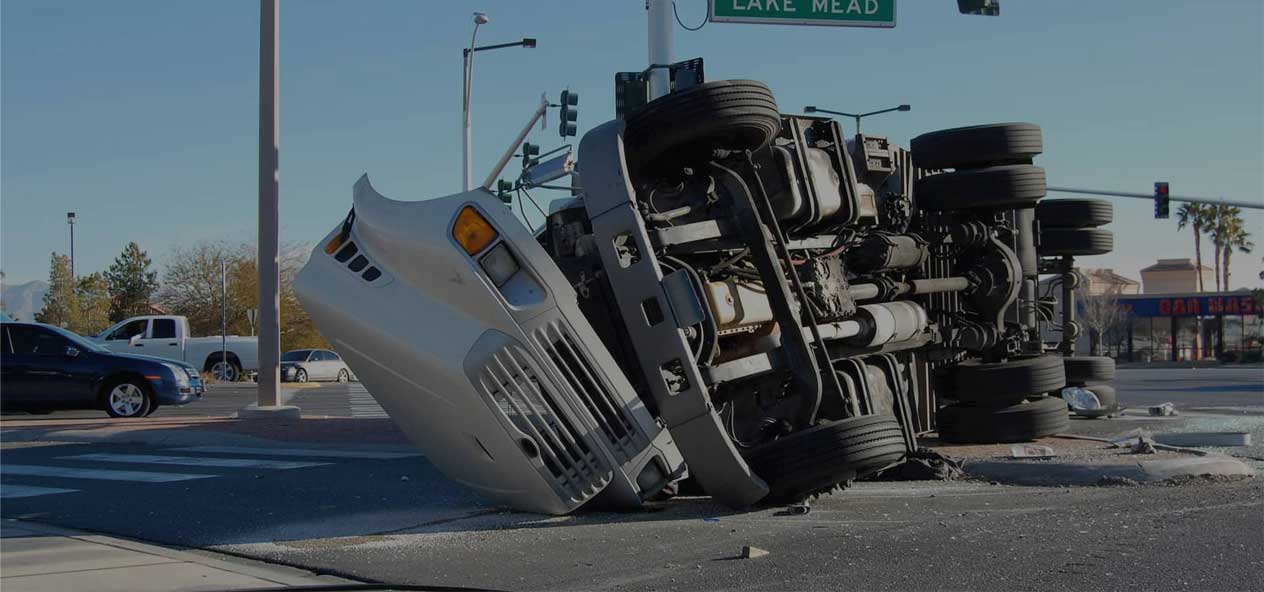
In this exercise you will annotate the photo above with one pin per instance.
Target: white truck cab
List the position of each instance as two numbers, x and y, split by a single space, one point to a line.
168 336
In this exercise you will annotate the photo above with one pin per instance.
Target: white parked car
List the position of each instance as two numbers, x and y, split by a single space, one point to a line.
167 336
303 365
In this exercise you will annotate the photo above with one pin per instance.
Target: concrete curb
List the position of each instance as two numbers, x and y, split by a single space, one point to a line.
225 570
1145 471
179 437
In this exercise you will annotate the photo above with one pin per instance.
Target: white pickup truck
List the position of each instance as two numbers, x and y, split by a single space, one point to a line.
167 336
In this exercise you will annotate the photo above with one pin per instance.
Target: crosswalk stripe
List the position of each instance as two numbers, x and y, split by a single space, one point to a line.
101 474
235 463
299 452
8 491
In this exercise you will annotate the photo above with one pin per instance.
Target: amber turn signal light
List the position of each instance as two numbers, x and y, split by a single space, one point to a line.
472 231
333 244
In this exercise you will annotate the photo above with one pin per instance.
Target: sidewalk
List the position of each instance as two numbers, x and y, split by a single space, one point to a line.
40 558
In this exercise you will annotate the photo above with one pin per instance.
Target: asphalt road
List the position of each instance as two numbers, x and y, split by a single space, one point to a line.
330 399
398 520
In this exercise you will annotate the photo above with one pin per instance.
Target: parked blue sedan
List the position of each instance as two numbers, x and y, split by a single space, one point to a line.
45 368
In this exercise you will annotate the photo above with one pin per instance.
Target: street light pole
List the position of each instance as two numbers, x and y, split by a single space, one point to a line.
467 82
467 73
856 116
70 219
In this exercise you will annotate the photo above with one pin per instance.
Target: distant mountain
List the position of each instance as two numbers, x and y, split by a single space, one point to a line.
22 301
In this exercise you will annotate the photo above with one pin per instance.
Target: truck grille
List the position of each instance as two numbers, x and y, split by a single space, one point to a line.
511 382
606 409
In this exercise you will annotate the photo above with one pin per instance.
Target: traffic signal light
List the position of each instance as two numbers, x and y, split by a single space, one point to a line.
567 125
504 190
1160 200
529 152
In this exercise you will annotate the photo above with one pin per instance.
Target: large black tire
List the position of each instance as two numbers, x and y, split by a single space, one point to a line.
1082 370
1076 242
1108 398
976 382
1021 422
688 126
1009 186
1074 213
818 458
977 145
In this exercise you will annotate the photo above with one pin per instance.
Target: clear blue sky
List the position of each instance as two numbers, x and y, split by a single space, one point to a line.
141 116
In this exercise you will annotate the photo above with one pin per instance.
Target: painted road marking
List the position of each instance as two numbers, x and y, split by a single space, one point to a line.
236 463
11 491
299 452
101 474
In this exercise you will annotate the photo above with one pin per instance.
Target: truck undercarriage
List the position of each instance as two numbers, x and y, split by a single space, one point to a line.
732 294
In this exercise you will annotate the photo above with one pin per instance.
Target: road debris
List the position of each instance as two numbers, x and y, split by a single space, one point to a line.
1163 410
1080 399
749 552
924 464
1204 438
1031 451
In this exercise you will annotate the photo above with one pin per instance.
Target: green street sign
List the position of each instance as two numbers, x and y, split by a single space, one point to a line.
835 13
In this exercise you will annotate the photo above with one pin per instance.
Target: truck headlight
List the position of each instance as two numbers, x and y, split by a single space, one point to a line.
499 264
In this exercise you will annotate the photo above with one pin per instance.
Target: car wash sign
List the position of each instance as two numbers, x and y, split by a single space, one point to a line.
1200 305
836 13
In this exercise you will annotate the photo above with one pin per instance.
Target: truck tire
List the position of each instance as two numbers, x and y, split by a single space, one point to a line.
976 382
229 372
1057 242
977 145
1108 398
688 126
1026 420
1082 370
1074 213
818 458
1008 186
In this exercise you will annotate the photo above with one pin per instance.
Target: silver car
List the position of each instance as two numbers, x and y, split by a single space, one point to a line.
303 365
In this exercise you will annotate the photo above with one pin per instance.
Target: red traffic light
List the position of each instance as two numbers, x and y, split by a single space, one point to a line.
1160 188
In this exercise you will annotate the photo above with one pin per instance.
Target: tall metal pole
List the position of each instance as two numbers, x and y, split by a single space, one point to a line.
71 219
223 316
467 80
660 45
269 211
1253 205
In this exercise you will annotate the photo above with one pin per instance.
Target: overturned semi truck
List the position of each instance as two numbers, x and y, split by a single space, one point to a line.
732 295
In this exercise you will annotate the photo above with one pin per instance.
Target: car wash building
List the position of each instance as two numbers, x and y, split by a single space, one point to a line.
1172 320
1164 317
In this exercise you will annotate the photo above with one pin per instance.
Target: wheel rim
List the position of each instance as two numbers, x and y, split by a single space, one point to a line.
342 376
126 399
301 376
222 371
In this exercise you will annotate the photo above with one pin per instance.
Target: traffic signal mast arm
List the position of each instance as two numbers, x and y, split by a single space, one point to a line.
1150 196
540 112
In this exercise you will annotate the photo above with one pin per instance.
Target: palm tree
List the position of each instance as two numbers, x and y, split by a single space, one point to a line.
1235 236
1195 216
1217 227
